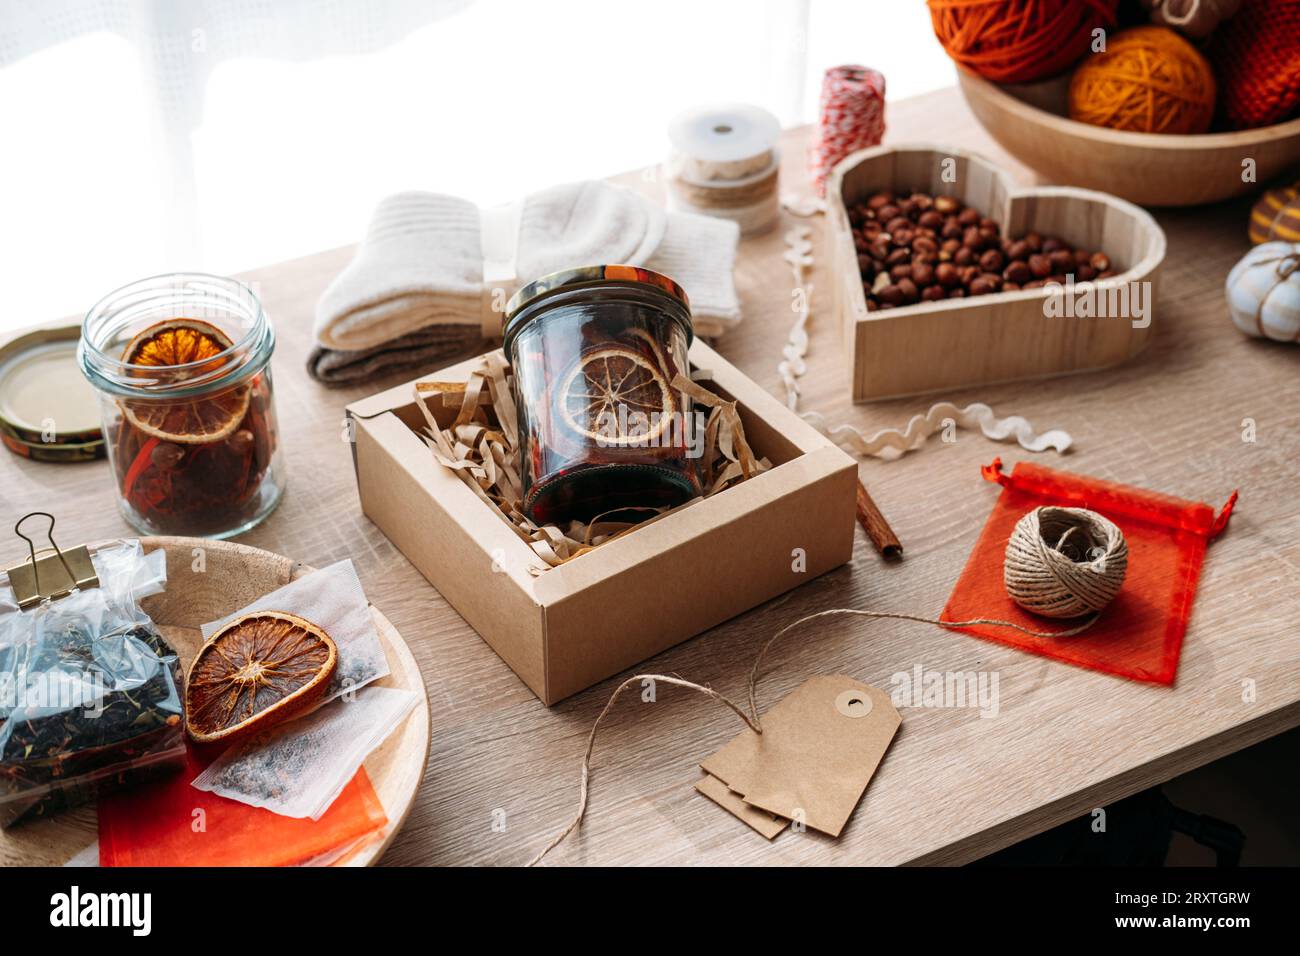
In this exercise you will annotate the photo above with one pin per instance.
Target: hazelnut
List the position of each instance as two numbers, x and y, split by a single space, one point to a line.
167 455
890 295
1017 272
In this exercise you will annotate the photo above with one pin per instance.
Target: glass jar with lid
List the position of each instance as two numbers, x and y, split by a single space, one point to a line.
181 365
603 427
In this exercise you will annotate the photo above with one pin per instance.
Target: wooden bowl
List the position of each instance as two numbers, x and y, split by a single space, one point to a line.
1152 169
232 576
1003 336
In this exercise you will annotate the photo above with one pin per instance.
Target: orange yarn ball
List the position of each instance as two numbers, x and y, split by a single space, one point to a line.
1149 80
1018 41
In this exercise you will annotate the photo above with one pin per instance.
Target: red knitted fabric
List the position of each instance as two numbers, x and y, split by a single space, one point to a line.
1256 55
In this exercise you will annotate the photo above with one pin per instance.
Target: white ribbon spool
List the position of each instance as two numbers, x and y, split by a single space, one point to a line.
724 163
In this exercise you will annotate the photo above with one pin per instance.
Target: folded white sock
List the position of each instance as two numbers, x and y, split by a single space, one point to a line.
422 260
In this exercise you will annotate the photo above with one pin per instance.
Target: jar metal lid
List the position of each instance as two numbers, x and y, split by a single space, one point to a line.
48 411
569 279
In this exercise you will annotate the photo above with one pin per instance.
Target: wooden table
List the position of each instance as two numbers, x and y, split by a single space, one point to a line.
503 771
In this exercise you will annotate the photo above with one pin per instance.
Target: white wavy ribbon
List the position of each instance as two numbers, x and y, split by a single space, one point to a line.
888 443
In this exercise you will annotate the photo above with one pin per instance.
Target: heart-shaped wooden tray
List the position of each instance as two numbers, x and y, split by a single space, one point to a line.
232 576
1003 336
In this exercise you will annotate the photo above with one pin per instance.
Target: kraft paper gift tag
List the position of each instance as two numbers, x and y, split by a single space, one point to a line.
819 748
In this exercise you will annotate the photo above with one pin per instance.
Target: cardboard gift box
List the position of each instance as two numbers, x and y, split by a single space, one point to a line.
571 626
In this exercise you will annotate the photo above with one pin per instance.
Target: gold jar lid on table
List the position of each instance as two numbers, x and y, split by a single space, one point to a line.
48 410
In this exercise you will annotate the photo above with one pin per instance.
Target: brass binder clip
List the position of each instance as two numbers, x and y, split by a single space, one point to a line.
52 572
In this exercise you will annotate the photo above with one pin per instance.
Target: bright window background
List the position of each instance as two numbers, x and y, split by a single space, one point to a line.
142 136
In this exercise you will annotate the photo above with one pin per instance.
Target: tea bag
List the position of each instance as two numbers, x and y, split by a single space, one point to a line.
332 599
299 768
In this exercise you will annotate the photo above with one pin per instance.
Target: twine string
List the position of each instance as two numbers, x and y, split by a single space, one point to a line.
584 784
1064 579
752 720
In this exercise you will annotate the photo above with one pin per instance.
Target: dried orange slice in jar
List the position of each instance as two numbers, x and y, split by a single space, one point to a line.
176 342
616 396
261 669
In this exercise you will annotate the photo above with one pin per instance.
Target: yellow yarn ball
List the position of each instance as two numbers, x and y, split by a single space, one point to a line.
1149 80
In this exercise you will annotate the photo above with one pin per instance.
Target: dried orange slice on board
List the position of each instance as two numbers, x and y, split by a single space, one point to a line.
176 342
261 669
618 396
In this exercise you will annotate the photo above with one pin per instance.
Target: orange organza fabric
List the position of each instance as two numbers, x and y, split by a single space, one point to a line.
155 825
1140 634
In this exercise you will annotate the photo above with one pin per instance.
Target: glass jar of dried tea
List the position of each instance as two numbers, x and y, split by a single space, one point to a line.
602 427
181 364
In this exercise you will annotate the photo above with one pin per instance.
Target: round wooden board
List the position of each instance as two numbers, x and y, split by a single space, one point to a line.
206 580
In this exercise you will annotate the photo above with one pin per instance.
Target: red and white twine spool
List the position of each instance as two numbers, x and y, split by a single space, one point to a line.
852 117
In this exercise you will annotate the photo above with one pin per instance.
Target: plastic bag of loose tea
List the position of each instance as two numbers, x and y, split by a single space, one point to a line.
89 689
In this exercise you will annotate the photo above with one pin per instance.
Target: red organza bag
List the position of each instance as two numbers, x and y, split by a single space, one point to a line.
1140 634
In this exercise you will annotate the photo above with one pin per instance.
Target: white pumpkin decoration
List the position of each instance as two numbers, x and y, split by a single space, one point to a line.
1263 292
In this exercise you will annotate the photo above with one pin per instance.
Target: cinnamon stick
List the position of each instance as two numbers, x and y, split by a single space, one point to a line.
875 525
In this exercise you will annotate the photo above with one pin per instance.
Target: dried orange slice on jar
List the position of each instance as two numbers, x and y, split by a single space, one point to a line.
616 396
261 669
176 342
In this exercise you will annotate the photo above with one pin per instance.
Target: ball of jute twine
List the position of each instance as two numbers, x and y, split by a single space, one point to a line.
1064 562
